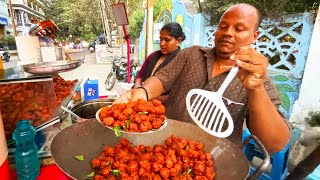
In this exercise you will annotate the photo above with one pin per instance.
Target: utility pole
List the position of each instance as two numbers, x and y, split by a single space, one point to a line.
105 21
12 18
102 18
149 25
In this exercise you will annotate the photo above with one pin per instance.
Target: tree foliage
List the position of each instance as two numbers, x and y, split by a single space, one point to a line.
136 14
136 23
81 18
269 9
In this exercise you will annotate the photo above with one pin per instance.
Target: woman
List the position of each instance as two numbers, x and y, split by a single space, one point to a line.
171 36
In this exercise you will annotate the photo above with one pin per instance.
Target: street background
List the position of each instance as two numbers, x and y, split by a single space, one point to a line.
88 70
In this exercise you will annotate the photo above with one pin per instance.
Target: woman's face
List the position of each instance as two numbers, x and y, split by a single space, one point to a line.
168 44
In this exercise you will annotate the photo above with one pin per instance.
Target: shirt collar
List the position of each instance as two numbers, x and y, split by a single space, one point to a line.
210 55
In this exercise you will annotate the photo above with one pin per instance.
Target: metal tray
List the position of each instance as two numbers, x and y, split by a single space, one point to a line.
48 68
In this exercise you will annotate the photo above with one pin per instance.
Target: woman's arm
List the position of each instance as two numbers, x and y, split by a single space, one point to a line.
137 83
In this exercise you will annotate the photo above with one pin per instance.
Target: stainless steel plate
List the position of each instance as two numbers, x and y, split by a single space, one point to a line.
48 68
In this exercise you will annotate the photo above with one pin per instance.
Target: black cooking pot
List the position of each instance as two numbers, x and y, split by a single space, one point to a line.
88 138
87 109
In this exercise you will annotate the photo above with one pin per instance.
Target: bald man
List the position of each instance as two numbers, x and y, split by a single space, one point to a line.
251 95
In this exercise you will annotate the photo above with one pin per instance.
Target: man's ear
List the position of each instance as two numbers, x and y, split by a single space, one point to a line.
255 36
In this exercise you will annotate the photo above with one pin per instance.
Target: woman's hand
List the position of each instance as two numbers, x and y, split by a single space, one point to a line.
252 67
135 86
132 95
137 83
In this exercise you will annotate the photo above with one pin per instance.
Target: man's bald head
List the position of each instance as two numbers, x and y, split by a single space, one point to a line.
247 9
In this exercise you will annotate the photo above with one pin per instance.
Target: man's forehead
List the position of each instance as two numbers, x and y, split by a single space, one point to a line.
240 13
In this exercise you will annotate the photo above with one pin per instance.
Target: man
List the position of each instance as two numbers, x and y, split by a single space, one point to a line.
252 92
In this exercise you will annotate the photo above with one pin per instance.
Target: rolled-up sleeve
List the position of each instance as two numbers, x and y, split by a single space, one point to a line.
275 98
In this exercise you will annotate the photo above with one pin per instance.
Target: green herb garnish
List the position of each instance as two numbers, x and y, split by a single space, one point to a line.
116 172
79 157
117 131
188 171
145 112
127 124
36 105
108 163
90 176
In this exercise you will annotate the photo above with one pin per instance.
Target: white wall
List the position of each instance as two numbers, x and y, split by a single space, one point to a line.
309 98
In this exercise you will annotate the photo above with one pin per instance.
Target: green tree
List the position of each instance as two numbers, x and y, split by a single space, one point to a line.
136 23
269 9
80 18
137 15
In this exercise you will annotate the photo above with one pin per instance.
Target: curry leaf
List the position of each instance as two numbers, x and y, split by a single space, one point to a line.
79 157
36 105
116 172
117 131
90 176
127 124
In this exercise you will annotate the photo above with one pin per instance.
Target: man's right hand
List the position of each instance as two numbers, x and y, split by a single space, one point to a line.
131 95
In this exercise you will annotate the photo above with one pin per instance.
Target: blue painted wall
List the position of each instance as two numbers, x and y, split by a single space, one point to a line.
193 27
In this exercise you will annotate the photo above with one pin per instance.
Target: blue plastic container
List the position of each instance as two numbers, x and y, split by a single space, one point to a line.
26 154
91 89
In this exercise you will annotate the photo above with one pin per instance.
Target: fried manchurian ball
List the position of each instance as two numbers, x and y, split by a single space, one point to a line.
178 159
144 116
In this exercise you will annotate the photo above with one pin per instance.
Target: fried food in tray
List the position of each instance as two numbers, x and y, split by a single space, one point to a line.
178 159
62 87
134 117
33 100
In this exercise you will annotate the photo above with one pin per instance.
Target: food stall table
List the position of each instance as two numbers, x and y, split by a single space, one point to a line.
51 172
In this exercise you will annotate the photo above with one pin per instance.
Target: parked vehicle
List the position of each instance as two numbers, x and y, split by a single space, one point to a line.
119 72
4 53
92 46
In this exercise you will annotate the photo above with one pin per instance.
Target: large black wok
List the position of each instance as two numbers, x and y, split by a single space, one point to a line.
89 137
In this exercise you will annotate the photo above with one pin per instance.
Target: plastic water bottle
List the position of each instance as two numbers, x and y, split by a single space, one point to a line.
26 154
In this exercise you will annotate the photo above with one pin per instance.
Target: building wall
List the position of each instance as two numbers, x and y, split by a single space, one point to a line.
24 10
3 9
3 14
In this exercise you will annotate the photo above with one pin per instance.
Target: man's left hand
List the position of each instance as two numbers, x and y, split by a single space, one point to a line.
252 67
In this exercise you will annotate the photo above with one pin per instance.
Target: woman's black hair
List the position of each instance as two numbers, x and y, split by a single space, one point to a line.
174 29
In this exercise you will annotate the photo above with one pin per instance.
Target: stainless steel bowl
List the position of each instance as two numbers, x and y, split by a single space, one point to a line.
49 68
88 109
